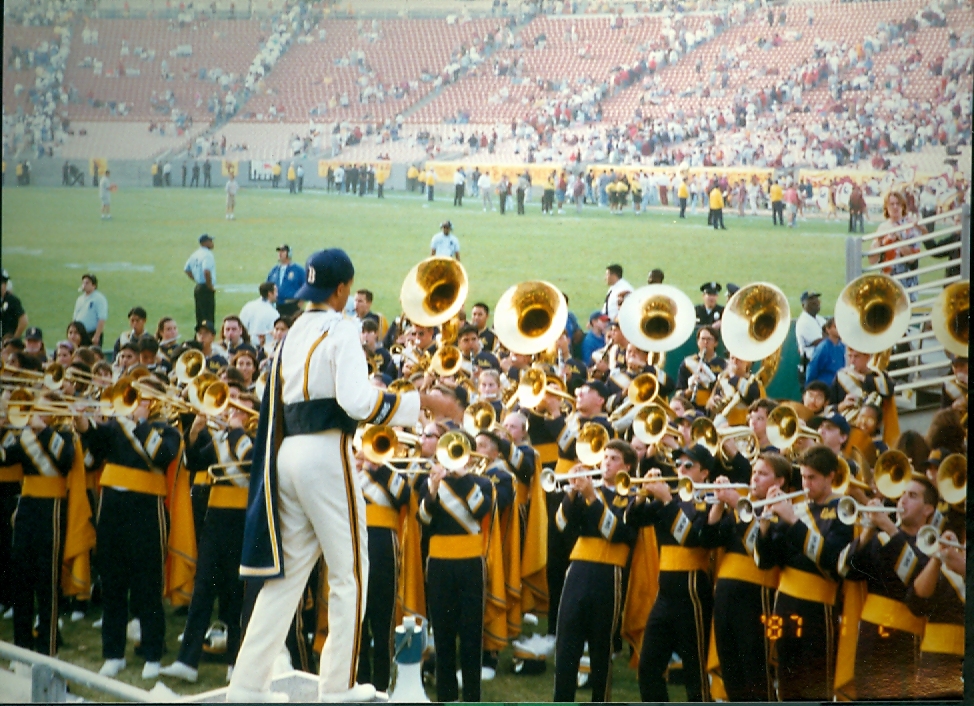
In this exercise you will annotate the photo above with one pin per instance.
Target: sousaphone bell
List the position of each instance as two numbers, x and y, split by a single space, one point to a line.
872 313
434 291
657 318
756 321
951 318
530 317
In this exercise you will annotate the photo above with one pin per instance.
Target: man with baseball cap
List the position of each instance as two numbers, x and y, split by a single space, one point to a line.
318 392
289 278
13 318
680 619
808 331
445 243
201 268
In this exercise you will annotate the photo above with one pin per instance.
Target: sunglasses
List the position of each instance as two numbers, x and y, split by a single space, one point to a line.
685 464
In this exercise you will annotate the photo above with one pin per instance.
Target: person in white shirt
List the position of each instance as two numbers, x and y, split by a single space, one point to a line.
617 286
444 243
105 189
258 316
483 183
459 182
808 330
232 188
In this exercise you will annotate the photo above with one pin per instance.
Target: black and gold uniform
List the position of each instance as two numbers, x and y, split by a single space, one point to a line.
889 633
455 576
45 455
680 619
11 478
701 389
745 389
385 493
803 626
593 594
873 386
132 528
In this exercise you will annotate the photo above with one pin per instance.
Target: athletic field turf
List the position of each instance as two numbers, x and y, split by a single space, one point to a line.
52 236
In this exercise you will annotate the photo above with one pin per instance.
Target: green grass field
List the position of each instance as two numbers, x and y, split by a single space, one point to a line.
52 236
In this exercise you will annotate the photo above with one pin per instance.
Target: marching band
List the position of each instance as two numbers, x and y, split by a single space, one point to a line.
781 550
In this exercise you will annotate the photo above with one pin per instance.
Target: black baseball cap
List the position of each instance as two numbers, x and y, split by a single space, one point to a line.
205 238
286 248
33 334
806 295
697 453
324 271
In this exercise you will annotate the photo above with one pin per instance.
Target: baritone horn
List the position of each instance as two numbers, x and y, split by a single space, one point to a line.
657 318
530 317
951 318
785 428
652 424
872 313
189 365
479 417
434 291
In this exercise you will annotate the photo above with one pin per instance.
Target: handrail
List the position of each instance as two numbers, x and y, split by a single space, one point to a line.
76 674
912 224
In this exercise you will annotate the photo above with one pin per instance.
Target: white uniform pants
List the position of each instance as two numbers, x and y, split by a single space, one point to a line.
322 510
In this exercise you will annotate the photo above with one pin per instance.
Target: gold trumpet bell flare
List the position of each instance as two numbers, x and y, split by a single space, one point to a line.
756 321
434 291
657 318
590 445
872 313
530 317
951 318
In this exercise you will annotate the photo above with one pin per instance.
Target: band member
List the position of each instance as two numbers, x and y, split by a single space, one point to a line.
698 373
592 597
680 619
317 390
132 527
805 541
886 557
221 539
744 593
857 384
734 392
954 392
454 506
45 455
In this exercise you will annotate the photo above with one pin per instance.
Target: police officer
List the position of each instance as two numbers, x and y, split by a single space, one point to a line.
709 312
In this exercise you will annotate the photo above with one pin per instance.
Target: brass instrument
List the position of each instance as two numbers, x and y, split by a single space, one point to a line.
23 403
479 417
952 479
892 473
434 291
785 428
624 482
842 479
453 451
216 398
50 377
401 386
530 317
190 364
849 510
644 389
929 541
755 322
590 444
551 481
534 384
651 425
746 508
380 443
657 318
703 432
449 331
951 318
225 467
872 313
447 361
689 490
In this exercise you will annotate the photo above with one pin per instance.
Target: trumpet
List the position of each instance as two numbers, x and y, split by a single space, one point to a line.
551 481
746 507
849 510
689 490
624 482
929 541
651 425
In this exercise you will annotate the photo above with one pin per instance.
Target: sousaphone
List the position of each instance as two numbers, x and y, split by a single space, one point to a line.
657 318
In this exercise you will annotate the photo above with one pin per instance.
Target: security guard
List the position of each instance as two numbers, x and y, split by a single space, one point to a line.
709 312
132 526
593 595
454 506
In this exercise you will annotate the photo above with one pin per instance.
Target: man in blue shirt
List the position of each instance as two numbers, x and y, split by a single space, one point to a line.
595 336
829 357
289 278
201 268
444 243
91 308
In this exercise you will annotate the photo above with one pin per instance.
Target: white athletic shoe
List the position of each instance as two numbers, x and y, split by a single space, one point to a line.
360 693
112 667
180 670
239 695
151 670
76 616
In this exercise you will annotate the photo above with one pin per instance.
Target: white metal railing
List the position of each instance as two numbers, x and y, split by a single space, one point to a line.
48 677
919 338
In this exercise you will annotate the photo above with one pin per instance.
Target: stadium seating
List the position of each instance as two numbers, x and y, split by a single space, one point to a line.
121 140
23 38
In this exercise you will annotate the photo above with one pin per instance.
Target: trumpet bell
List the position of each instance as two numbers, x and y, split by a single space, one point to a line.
215 399
548 481
434 291
951 318
756 321
189 365
453 451
872 313
590 445
198 386
657 318
479 417
952 479
892 473
530 317
928 539
847 510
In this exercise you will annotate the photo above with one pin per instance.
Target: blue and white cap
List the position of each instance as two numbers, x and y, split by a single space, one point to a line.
324 271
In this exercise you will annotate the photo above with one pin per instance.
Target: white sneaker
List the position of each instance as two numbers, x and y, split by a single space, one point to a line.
360 693
239 695
151 670
112 667
76 616
97 624
181 670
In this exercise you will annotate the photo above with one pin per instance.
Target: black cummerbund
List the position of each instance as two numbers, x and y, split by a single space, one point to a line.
316 415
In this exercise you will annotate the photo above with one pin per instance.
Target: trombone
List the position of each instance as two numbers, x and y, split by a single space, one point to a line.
380 443
188 366
849 510
929 541
843 479
746 508
551 481
453 451
479 417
